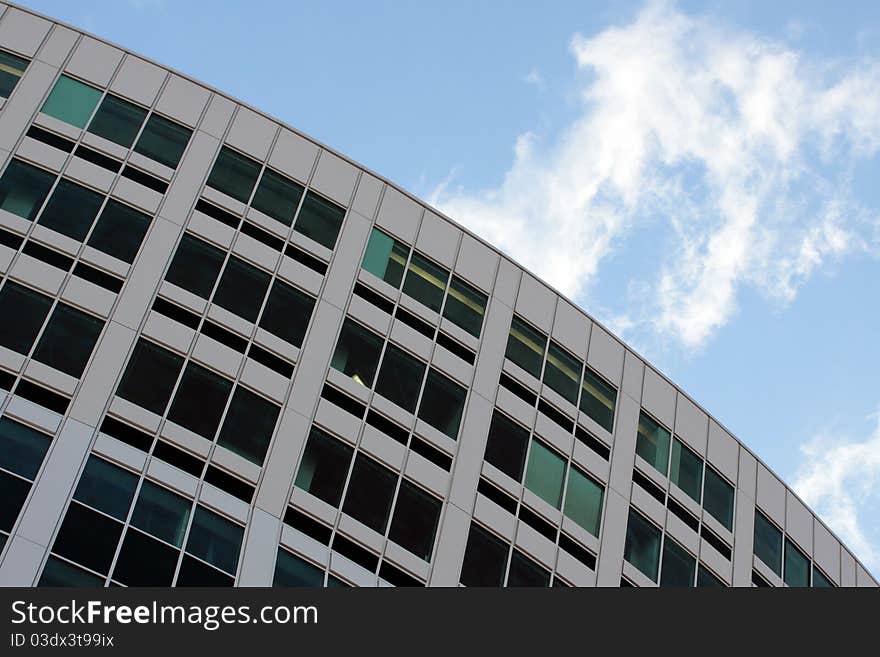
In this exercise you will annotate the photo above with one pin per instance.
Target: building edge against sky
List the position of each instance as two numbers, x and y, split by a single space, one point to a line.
345 386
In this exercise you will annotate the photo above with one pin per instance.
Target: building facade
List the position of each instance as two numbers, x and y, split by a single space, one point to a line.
231 356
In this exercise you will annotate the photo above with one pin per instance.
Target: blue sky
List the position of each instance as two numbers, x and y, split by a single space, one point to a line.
700 176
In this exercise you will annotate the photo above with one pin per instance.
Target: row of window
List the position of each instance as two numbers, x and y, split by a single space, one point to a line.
12 67
576 382
117 120
139 534
579 496
72 210
783 557
490 561
201 400
425 281
685 469
400 376
330 470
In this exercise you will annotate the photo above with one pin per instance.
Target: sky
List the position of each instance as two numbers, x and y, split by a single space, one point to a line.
698 176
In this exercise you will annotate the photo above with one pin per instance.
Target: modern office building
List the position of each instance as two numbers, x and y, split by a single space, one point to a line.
229 355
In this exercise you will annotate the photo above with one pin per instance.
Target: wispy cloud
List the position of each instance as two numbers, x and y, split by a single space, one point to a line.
840 480
738 149
534 78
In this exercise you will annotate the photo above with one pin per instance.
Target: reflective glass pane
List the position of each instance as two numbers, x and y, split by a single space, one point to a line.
642 547
29 308
214 539
583 501
797 566
652 443
768 543
161 513
718 498
163 140
678 565
241 289
195 266
369 493
150 376
525 572
106 487
526 347
23 189
120 231
598 400
287 313
506 446
68 340
60 573
544 474
820 580
442 403
200 400
11 70
705 579
485 559
195 573
465 306
357 353
400 378
290 570
88 538
144 561
416 515
324 467
71 210
13 492
686 470
319 219
277 197
248 425
21 448
117 120
562 372
385 258
71 101
234 174
425 282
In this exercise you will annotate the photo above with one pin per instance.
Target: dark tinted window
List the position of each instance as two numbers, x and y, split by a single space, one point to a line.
485 559
163 140
324 467
526 347
11 70
357 353
144 561
248 426
161 513
320 220
61 573
117 120
195 266
525 572
678 565
199 401
507 445
287 313
21 448
465 306
768 543
68 340
415 520
150 376
369 493
120 231
106 487
241 289
277 197
87 538
71 210
442 403
400 378
214 539
642 547
290 570
29 308
562 372
234 174
23 189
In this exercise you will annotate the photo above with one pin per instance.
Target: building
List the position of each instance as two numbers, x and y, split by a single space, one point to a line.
230 355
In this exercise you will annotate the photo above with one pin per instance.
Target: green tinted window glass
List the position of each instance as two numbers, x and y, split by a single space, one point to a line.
465 306
686 470
214 539
820 580
385 258
678 565
61 573
30 310
357 353
71 101
21 448
797 566
234 174
23 189
652 443
425 282
562 372
71 210
106 487
598 400
277 197
68 340
718 498
11 70
117 120
706 579
442 403
768 543
163 140
544 473
400 378
324 467
290 570
120 230
526 347
642 547
161 513
320 220
195 266
583 501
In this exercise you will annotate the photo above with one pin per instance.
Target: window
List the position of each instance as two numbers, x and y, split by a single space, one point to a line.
277 197
545 473
506 446
242 289
287 313
652 443
11 70
248 426
768 543
485 559
163 140
234 174
525 572
214 539
678 565
106 487
290 570
161 513
718 498
319 220
385 258
598 400
526 347
195 266
21 448
29 308
400 378
120 231
71 101
797 566
583 500
686 470
23 188
369 493
117 120
68 340
642 547
416 515
820 580
442 403
71 210
13 492
425 282
60 573
465 306
88 538
150 376
200 400
706 579
562 372
324 467
357 353
145 561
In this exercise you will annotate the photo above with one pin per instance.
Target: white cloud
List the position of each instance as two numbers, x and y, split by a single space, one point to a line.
840 480
535 78
736 148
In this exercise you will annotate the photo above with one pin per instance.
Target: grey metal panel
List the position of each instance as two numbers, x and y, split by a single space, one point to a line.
21 565
610 563
260 549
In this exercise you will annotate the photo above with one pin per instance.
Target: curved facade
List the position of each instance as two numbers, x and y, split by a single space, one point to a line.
231 356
